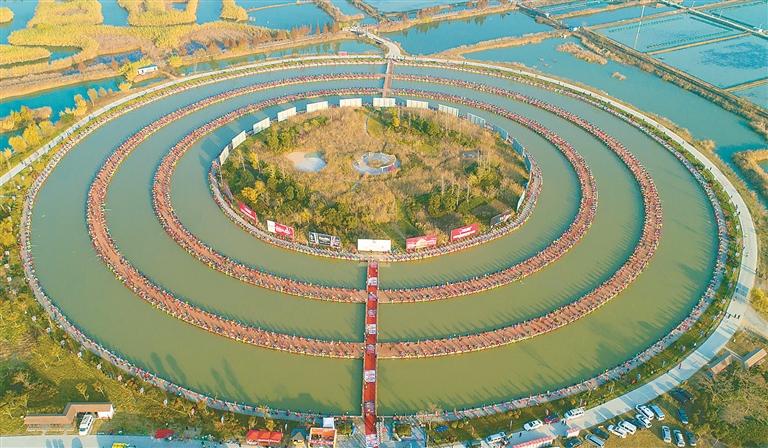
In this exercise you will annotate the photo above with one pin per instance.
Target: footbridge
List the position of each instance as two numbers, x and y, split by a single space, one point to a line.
369 359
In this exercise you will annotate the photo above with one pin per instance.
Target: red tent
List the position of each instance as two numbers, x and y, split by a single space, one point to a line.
263 438
164 433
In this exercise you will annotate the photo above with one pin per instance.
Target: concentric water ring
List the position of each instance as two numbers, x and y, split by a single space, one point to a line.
206 254
145 289
26 220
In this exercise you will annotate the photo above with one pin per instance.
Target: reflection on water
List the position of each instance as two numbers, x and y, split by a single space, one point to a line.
641 89
724 64
113 13
439 36
350 46
289 16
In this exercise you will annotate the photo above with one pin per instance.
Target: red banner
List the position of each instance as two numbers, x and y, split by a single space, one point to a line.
280 229
463 232
420 242
244 209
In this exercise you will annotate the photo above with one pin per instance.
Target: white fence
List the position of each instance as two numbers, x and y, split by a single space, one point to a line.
480 121
448 110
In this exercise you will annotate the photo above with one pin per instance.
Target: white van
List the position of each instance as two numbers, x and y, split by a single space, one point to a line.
496 438
85 425
573 413
657 412
629 427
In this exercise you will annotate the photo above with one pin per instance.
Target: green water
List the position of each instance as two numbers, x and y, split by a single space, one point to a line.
90 296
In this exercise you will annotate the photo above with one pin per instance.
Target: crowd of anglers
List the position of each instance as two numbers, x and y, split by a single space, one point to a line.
638 260
165 300
228 204
155 294
610 374
619 371
576 230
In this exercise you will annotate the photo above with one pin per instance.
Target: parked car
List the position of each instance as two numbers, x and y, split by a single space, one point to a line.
645 410
617 430
551 418
638 424
681 395
535 424
629 427
574 413
644 421
683 416
692 439
657 412
666 434
496 438
573 442
679 441
600 433
595 441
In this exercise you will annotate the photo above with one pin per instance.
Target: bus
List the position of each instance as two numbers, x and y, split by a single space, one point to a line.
85 425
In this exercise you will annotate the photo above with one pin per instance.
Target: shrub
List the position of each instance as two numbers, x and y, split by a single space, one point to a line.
10 54
232 11
6 15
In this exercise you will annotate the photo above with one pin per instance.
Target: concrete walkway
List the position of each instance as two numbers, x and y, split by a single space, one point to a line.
103 441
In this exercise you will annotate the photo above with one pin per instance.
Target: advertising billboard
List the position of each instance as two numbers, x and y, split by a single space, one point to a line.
415 104
322 239
245 210
383 102
314 107
238 139
351 102
286 114
365 245
224 155
261 125
463 232
501 218
420 242
280 229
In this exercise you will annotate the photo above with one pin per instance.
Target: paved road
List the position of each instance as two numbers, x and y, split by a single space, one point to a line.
393 49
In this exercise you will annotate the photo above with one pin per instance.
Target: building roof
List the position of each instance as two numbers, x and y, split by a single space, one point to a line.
754 357
263 436
68 416
720 363
164 433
